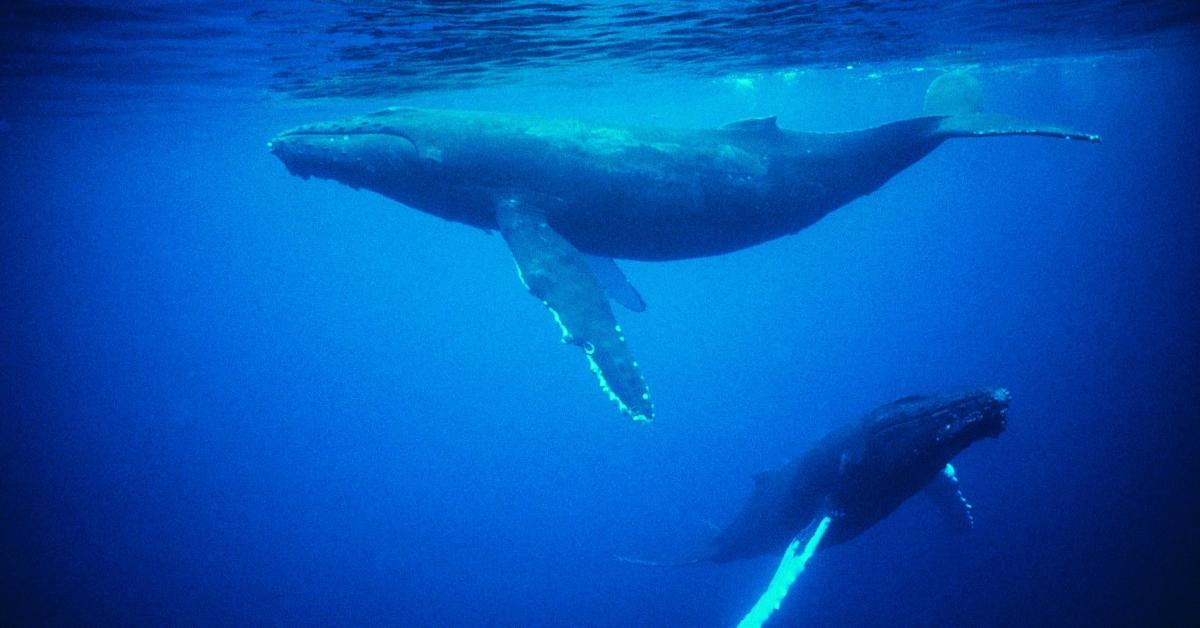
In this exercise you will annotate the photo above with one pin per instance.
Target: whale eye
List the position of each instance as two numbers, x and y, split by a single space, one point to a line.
849 458
432 153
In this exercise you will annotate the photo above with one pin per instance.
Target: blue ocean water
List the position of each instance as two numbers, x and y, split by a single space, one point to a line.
231 396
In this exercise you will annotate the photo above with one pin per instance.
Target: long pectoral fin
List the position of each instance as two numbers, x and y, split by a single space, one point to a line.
793 562
556 272
616 286
947 495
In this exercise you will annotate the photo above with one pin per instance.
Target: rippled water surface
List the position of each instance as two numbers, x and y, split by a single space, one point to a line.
370 49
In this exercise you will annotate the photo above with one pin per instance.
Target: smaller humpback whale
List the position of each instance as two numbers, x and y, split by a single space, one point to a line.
569 197
855 477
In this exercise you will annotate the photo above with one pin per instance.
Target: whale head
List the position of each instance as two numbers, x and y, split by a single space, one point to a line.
361 152
440 162
919 434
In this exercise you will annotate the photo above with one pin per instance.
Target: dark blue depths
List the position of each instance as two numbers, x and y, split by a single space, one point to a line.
231 396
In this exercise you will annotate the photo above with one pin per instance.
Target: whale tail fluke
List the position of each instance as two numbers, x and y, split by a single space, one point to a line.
953 94
957 97
660 563
989 124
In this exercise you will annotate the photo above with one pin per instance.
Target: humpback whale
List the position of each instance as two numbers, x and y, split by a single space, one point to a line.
568 197
853 478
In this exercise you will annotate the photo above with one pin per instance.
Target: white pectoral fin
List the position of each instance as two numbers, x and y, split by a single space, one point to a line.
556 272
946 493
798 552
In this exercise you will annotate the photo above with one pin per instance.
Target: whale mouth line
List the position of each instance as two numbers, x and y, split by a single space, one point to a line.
345 133
306 137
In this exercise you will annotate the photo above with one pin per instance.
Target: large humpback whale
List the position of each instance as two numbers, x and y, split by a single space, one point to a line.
568 197
854 477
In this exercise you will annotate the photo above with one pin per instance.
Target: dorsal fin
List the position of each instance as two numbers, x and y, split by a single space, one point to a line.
752 124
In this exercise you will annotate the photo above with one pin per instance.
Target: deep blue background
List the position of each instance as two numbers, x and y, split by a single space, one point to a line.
231 396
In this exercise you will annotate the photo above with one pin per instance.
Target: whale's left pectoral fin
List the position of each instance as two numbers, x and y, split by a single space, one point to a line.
947 495
795 557
557 273
616 286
